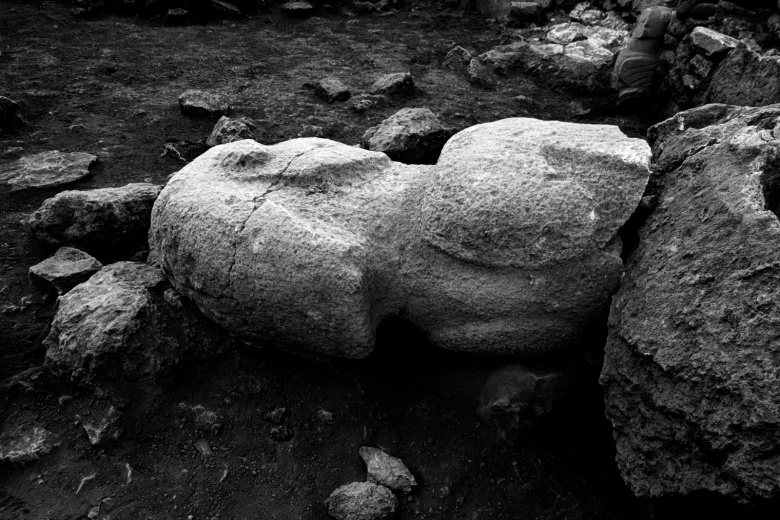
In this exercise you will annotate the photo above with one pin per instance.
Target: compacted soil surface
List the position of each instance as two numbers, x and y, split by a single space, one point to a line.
109 86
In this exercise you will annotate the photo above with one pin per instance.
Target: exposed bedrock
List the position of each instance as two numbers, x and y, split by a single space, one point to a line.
693 355
508 245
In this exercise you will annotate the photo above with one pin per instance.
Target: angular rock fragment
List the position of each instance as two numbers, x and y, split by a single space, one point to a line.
331 89
67 268
411 135
712 44
227 131
362 501
746 77
386 470
565 33
116 329
509 244
107 222
201 104
46 169
396 84
515 397
692 357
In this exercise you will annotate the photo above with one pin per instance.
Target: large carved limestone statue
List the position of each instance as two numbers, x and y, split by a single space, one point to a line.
508 245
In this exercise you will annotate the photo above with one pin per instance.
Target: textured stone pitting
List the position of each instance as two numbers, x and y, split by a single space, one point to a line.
387 470
508 245
692 358
46 170
107 222
118 328
66 269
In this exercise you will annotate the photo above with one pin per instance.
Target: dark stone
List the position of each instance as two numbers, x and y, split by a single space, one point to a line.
396 84
746 77
411 135
331 89
107 223
692 353
200 104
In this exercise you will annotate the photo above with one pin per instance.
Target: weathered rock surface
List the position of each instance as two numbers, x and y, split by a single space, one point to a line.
711 43
692 359
117 328
331 89
515 397
457 59
549 62
107 222
746 77
411 135
480 75
27 446
229 130
66 269
46 169
508 245
386 470
201 104
362 501
396 84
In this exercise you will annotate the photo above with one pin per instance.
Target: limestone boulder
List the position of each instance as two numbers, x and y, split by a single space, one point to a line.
508 245
118 329
107 223
693 357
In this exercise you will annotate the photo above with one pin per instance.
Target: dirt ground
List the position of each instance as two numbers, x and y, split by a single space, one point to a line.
109 86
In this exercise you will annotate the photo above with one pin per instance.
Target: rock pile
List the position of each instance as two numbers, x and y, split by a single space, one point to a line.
374 499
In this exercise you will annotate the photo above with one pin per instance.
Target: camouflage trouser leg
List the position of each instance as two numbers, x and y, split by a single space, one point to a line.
636 63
